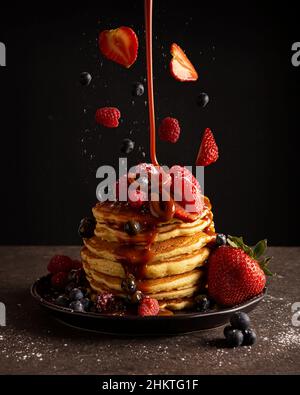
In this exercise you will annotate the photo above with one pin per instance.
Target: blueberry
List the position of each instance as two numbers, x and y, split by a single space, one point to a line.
132 228
227 329
76 305
75 276
234 337
87 227
240 321
85 78
249 337
138 89
62 301
127 146
136 297
129 285
69 288
76 294
86 303
202 99
221 239
202 303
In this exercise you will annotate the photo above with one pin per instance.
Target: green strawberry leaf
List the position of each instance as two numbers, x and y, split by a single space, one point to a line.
238 242
260 248
264 265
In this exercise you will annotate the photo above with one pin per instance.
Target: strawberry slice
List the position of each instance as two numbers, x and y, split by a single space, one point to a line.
119 45
180 213
180 66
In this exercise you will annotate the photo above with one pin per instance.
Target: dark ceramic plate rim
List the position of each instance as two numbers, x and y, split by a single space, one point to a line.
176 316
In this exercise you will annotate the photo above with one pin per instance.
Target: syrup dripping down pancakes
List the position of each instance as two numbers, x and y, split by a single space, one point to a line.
167 258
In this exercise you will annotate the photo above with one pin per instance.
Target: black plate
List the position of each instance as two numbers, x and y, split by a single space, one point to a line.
179 323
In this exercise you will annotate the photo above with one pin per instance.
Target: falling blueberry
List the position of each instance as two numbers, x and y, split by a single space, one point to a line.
138 89
202 99
127 146
85 78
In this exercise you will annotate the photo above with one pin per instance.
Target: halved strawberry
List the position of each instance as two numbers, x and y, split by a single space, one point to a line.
180 213
180 66
119 45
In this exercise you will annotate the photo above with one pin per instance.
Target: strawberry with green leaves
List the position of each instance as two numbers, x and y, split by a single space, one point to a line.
236 272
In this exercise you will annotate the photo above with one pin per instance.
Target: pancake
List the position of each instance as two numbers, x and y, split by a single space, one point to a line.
167 259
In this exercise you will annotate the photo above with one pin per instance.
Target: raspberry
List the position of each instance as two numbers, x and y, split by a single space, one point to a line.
208 151
60 263
148 307
76 264
169 130
136 198
108 117
59 280
105 302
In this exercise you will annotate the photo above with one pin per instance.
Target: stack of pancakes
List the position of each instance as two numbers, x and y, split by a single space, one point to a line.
166 258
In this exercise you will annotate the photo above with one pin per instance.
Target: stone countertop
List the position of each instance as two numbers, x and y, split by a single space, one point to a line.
34 343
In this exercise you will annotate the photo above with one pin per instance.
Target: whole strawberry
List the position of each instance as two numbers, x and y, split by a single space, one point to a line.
169 130
234 273
108 117
208 151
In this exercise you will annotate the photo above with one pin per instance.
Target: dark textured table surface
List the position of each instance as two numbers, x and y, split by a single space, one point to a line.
33 342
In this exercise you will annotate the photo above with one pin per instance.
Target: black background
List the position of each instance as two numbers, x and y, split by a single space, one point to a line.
50 148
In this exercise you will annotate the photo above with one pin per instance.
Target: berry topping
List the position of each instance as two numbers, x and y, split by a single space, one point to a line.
85 78
108 117
186 191
221 240
76 305
59 280
169 130
60 263
234 337
202 303
76 294
62 301
181 68
183 215
202 99
105 302
86 227
235 274
129 284
132 228
208 151
137 198
138 89
127 146
119 45
148 307
249 337
240 321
